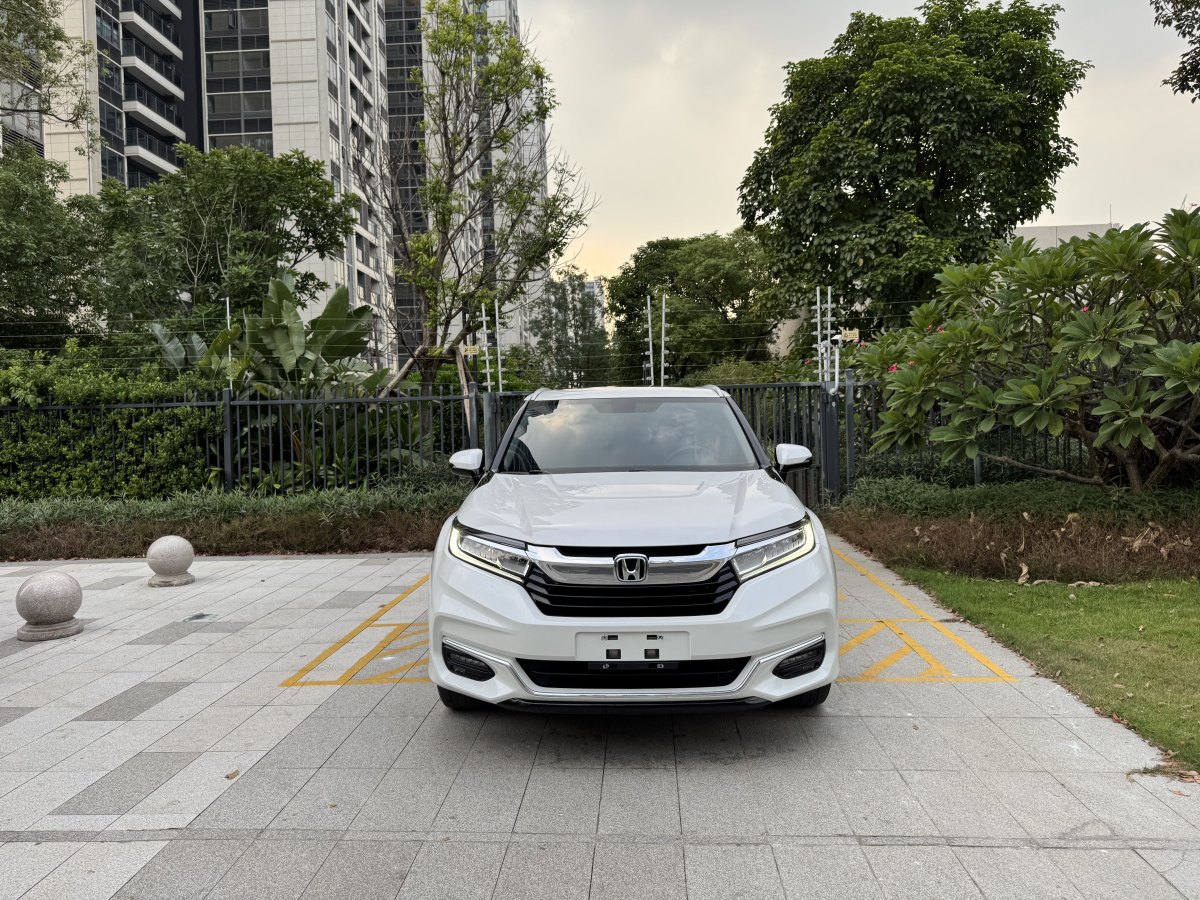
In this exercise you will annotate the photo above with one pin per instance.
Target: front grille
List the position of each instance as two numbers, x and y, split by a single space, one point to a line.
604 676
701 598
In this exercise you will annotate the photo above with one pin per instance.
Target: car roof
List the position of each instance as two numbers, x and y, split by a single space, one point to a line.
613 393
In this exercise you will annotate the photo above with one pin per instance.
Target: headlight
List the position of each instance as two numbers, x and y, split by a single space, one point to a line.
764 552
488 551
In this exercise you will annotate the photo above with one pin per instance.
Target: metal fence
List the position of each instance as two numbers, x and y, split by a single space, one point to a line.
306 442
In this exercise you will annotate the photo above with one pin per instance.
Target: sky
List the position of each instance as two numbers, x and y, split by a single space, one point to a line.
663 103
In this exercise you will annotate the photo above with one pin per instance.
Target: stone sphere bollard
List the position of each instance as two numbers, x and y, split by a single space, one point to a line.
48 602
170 557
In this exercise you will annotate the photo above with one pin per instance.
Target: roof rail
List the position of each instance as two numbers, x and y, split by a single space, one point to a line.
716 389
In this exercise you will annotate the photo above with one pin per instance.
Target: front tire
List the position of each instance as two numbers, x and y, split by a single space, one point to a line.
809 699
460 702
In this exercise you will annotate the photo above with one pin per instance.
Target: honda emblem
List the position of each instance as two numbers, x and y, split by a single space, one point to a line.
631 567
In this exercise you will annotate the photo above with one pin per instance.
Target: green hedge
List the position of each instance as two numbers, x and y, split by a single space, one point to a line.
1038 497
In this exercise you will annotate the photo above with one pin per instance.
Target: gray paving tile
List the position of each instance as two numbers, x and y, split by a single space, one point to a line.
273 870
254 799
844 743
1010 873
352 701
1181 797
560 801
223 627
132 703
443 871
375 743
127 785
405 800
1180 867
797 802
408 700
310 743
1112 875
639 801
96 871
506 741
1126 807
621 871
573 742
330 799
719 800
706 739
12 713
22 865
115 581
168 634
983 746
545 871
911 743
442 742
347 600
183 870
919 873
640 742
12 646
1056 747
483 800
731 872
880 803
777 735
363 870
1042 806
826 873
961 806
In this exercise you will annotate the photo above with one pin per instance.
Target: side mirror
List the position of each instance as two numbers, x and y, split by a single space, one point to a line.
792 456
468 462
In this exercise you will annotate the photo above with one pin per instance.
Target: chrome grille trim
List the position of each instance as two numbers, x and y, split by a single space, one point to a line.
661 570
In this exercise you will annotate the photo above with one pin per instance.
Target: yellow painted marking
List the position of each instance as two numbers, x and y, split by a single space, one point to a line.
295 680
372 653
859 638
882 621
929 679
886 663
400 670
967 648
935 667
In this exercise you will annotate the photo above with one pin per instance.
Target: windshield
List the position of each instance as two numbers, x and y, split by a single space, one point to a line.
628 434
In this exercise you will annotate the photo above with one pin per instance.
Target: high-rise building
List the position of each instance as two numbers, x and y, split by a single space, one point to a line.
139 90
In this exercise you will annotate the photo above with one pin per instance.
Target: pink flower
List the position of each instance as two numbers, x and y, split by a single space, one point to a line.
893 368
941 330
1086 308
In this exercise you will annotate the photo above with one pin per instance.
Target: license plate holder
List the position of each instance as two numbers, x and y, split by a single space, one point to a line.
632 646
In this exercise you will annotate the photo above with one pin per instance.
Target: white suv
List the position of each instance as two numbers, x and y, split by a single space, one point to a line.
632 547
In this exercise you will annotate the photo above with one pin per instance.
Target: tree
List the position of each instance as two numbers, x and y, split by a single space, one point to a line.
568 322
914 143
474 157
1097 340
722 304
226 223
49 255
1184 17
43 72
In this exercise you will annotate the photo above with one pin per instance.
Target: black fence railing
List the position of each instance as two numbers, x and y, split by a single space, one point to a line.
346 440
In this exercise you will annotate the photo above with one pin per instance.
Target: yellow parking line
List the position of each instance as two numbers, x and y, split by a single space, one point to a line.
859 638
935 667
885 663
884 621
979 657
294 680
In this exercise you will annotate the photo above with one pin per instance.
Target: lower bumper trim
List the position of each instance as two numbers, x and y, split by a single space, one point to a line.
634 708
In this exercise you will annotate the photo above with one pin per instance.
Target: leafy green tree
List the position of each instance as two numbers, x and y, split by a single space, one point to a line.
914 143
43 72
722 304
568 322
474 157
49 255
1096 340
1184 17
226 223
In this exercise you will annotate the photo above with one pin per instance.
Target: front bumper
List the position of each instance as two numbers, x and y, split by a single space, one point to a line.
769 618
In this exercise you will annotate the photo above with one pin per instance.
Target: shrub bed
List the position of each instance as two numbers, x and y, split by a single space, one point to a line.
1032 530
397 517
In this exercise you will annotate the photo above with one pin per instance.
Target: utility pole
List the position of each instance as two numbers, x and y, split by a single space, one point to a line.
487 351
499 362
649 343
662 350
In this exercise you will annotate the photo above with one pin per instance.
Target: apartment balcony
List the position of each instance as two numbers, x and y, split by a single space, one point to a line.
159 32
156 71
151 151
144 105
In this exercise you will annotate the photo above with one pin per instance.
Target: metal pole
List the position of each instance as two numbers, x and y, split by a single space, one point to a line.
851 449
499 362
487 359
662 337
650 336
820 346
227 421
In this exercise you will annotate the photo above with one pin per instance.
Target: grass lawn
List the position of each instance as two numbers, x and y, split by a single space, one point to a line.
1130 650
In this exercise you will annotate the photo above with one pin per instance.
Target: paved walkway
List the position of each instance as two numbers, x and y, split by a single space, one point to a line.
268 732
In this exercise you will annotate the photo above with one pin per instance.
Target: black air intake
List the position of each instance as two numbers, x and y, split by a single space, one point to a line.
466 665
807 660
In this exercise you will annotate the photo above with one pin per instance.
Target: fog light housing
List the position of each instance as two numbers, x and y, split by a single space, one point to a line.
465 664
801 663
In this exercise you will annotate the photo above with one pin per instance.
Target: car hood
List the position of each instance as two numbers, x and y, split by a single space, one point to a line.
631 509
